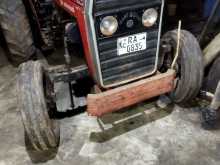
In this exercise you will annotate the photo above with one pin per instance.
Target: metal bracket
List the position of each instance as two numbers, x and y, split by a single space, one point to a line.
61 74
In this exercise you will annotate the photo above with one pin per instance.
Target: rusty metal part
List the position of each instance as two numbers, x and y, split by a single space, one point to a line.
60 73
124 96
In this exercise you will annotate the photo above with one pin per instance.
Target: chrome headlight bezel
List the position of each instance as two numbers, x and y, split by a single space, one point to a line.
150 17
108 26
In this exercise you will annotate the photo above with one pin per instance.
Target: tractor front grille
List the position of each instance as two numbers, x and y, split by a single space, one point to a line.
120 68
117 69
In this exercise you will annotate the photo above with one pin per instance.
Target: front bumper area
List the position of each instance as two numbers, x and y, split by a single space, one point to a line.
131 94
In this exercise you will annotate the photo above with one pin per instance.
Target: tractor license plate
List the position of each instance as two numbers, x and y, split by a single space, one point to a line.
130 44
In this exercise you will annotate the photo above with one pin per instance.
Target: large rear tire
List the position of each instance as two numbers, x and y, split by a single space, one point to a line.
189 66
41 131
16 30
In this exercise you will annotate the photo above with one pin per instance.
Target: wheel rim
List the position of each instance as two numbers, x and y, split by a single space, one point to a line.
48 89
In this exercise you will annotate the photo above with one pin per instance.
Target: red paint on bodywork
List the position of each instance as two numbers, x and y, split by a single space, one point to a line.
76 8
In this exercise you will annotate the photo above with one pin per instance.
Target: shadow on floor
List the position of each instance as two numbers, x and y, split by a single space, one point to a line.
68 114
126 121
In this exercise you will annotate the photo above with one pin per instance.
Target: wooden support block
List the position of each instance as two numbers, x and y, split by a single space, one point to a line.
127 95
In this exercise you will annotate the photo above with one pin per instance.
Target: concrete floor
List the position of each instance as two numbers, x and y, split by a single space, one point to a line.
162 138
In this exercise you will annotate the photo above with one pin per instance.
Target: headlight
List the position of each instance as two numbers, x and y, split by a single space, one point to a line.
149 17
108 25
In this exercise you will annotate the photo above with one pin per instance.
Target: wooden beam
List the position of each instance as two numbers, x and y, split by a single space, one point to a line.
127 95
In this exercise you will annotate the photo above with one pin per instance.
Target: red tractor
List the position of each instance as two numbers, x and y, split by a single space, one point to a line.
127 60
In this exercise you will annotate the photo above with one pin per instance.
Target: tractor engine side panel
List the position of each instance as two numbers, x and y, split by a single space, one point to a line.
76 8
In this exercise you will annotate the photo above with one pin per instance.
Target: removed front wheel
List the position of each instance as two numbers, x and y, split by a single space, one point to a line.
189 67
41 131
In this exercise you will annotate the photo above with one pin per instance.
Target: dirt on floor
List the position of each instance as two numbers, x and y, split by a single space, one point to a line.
142 135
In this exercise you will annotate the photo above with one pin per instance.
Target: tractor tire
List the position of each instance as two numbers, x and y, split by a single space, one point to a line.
189 67
41 131
213 77
16 30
